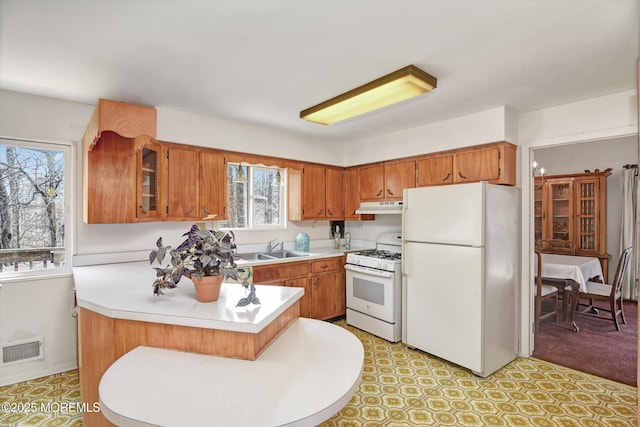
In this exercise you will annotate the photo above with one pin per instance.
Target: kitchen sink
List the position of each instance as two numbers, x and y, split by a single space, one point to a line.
253 256
262 256
284 254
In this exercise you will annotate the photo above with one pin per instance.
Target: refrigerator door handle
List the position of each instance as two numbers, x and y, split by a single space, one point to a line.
403 319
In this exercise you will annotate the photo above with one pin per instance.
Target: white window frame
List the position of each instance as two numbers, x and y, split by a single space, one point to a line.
69 218
251 226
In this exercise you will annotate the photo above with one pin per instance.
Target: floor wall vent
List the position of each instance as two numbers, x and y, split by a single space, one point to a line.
23 351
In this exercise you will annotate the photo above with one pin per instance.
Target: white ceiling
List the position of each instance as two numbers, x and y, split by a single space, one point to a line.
265 61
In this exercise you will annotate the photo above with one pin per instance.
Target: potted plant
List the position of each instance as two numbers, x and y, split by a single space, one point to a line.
204 256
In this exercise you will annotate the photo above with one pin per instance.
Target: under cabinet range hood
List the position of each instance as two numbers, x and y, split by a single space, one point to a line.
376 208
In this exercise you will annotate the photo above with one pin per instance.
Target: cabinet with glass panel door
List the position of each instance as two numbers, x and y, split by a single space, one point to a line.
148 166
573 207
553 208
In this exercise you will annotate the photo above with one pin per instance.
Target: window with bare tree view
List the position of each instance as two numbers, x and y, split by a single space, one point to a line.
32 206
255 197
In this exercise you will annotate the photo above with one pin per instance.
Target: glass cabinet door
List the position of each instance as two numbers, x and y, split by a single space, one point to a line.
538 209
560 222
148 181
587 215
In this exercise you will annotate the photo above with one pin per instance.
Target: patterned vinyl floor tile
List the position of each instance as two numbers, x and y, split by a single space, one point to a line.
402 387
405 387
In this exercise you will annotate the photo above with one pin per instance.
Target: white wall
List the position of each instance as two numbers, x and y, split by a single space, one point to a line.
194 129
39 307
473 129
593 119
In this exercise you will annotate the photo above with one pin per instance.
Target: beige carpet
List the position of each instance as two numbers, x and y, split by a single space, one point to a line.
404 387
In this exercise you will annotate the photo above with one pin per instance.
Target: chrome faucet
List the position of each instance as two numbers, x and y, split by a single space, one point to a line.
274 244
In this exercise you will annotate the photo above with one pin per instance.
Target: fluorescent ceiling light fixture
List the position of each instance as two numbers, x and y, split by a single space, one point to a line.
402 84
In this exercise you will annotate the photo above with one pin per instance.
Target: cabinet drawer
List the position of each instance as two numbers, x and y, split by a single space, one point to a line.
327 264
273 273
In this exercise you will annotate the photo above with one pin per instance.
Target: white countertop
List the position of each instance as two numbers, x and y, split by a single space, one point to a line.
303 378
124 291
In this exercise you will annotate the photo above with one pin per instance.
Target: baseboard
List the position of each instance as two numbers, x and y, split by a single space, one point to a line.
31 375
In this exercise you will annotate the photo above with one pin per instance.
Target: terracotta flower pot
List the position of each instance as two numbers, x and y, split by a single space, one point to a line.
207 288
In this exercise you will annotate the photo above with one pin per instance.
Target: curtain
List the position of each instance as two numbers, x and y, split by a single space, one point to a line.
630 229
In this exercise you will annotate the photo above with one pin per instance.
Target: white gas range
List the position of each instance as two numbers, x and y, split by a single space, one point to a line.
374 291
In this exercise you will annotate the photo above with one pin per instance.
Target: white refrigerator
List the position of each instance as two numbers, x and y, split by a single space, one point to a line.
460 269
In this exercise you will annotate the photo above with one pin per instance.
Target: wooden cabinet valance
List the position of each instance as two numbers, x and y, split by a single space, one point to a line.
126 120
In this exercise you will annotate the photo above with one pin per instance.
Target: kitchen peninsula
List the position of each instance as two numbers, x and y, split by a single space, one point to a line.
120 319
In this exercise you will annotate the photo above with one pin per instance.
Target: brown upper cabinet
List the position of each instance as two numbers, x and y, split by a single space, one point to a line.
494 163
386 181
111 167
314 188
437 170
129 176
334 193
183 183
351 193
352 196
213 184
322 193
197 184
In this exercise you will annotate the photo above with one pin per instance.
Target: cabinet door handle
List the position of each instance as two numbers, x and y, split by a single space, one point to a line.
389 192
379 193
207 211
188 211
330 213
446 178
461 176
142 210
320 212
324 266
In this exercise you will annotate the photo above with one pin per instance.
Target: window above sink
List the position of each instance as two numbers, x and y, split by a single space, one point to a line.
256 197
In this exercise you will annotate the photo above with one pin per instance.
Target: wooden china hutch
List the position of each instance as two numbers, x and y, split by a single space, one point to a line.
573 207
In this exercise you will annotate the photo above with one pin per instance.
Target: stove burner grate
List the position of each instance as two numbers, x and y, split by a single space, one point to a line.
381 254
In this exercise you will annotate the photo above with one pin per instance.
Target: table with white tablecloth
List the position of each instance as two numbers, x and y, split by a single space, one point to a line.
581 269
571 270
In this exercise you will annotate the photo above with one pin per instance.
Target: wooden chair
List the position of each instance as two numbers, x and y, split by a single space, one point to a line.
562 247
556 246
612 293
543 293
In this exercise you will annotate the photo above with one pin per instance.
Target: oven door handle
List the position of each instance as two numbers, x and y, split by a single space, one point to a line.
369 271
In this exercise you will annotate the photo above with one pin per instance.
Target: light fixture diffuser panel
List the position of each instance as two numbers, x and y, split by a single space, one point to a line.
395 87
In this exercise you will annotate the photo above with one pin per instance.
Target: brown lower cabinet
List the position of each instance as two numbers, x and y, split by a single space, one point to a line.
323 281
